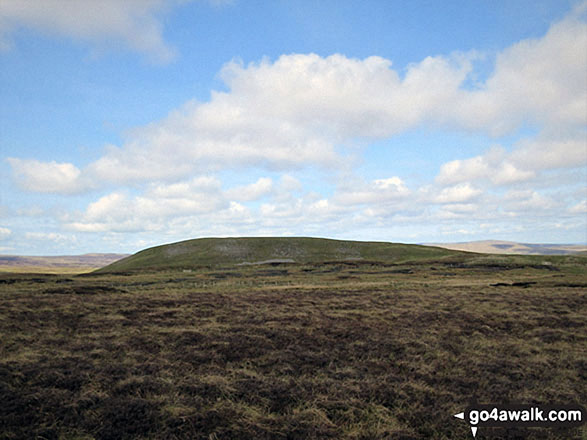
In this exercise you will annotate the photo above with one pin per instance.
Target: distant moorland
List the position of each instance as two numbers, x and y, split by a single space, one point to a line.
510 247
60 264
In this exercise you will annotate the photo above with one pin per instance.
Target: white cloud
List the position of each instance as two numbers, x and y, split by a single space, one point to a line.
457 171
298 113
550 151
297 110
186 190
523 201
150 211
463 208
507 173
283 115
201 207
310 212
528 158
345 97
47 177
460 211
379 191
135 23
495 166
463 192
212 136
162 204
31 211
289 183
253 191
5 233
50 236
536 81
579 208
392 183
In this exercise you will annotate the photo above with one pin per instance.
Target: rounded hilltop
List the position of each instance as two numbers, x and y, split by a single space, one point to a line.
259 250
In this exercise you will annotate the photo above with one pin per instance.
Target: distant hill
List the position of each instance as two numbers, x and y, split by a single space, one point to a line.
510 247
249 250
59 264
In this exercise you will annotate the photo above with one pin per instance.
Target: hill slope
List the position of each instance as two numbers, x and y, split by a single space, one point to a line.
249 250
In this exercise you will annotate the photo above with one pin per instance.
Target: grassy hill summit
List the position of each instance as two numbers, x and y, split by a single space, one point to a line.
254 250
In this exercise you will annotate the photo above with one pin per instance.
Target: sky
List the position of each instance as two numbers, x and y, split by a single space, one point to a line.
128 124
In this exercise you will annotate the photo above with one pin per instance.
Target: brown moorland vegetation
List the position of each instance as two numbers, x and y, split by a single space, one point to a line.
342 350
65 264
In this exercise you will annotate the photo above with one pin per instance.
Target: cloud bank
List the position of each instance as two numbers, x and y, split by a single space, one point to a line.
134 23
305 111
297 111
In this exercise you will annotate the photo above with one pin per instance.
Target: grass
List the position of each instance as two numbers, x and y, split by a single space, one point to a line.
340 350
230 251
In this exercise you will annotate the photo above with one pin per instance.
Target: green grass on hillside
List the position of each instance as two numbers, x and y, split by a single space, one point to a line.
231 251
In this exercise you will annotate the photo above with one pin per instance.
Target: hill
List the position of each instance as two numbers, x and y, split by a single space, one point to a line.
510 247
57 264
250 250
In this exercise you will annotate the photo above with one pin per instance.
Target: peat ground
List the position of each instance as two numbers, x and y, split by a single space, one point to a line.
318 351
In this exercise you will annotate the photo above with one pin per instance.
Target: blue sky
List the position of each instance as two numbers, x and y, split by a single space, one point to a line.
130 124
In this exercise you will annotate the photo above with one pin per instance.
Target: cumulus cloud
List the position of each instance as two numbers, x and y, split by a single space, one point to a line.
161 203
538 81
551 151
495 166
186 190
579 208
202 207
529 157
289 183
299 109
523 201
5 233
135 23
379 191
47 177
283 115
253 191
121 212
346 97
221 134
201 204
463 192
309 211
50 236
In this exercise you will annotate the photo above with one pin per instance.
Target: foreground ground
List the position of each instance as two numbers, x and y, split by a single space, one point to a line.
322 351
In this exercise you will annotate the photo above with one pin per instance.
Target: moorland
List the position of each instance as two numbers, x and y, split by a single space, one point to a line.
69 264
286 339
